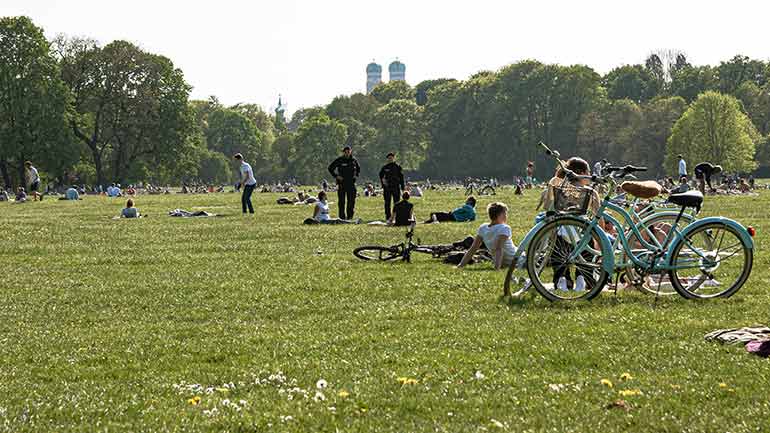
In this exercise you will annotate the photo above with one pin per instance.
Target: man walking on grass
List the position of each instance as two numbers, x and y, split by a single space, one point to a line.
346 169
392 181
33 180
248 183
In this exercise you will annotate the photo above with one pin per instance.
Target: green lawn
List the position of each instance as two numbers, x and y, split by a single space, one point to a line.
118 325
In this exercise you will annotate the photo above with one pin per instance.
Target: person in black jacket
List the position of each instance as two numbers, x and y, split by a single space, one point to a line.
392 181
346 169
703 173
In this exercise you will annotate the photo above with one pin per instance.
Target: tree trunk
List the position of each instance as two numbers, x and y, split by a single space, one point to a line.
98 166
5 173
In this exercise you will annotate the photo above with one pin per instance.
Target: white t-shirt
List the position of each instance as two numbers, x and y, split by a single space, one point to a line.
247 173
323 211
416 191
598 168
33 175
682 168
490 233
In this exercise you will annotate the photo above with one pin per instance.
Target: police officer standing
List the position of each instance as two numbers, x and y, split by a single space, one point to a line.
346 169
392 181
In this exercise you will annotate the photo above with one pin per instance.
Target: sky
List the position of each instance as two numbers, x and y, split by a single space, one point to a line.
310 51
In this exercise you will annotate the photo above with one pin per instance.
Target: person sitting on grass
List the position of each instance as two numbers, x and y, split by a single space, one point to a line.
21 195
130 211
4 195
71 194
466 212
321 213
495 236
403 212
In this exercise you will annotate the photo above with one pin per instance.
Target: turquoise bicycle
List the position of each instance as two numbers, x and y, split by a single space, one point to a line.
652 216
707 258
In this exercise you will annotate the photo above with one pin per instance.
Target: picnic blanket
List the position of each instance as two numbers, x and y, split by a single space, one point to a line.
756 339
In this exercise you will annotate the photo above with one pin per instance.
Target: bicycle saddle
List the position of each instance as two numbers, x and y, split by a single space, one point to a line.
692 199
647 189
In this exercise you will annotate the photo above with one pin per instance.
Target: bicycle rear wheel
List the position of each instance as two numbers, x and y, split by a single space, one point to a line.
654 230
712 261
554 266
378 253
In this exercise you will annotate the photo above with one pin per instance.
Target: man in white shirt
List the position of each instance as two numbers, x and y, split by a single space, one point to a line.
248 183
682 167
33 180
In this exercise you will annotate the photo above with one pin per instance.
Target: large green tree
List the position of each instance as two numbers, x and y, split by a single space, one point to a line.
132 106
714 129
401 129
34 103
391 90
319 140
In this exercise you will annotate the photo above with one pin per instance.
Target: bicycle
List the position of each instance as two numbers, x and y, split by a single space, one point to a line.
488 188
405 249
651 217
692 258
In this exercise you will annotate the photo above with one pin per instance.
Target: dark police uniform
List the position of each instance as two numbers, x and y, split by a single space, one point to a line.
348 169
392 179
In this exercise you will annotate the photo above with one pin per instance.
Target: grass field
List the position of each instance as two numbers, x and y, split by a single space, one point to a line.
229 324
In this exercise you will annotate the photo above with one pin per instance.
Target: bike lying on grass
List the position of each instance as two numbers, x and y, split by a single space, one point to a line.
405 249
706 258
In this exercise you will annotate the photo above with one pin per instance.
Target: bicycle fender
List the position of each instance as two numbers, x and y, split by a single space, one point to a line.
748 242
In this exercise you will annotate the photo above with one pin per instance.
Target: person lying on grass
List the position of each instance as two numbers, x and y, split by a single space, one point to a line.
496 236
466 212
130 211
321 213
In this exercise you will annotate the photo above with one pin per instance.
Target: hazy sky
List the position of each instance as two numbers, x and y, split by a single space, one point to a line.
313 50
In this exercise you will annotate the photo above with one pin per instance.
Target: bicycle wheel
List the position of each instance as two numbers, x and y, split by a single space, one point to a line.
712 261
517 280
556 269
378 253
487 190
654 230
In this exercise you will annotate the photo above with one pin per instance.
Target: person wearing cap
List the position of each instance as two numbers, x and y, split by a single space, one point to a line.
345 169
392 181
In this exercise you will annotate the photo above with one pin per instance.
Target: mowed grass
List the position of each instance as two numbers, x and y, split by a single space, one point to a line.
228 324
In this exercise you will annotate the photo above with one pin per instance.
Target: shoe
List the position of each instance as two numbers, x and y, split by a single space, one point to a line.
562 285
580 284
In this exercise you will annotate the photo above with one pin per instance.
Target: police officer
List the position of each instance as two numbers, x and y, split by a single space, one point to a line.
392 181
346 169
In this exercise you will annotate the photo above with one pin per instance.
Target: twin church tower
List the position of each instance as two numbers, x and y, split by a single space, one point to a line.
397 71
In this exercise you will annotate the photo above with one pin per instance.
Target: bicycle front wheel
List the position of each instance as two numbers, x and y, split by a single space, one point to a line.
377 253
564 261
712 261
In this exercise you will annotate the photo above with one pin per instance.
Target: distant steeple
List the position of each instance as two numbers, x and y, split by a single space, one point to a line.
280 112
373 76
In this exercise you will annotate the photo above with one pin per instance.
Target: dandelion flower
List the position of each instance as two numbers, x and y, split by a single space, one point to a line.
629 392
343 393
321 384
606 382
479 375
626 376
407 381
723 385
194 401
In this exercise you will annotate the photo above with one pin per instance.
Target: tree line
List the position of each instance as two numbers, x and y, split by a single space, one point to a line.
95 114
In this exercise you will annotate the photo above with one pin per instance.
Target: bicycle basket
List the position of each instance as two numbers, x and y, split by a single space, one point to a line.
568 198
